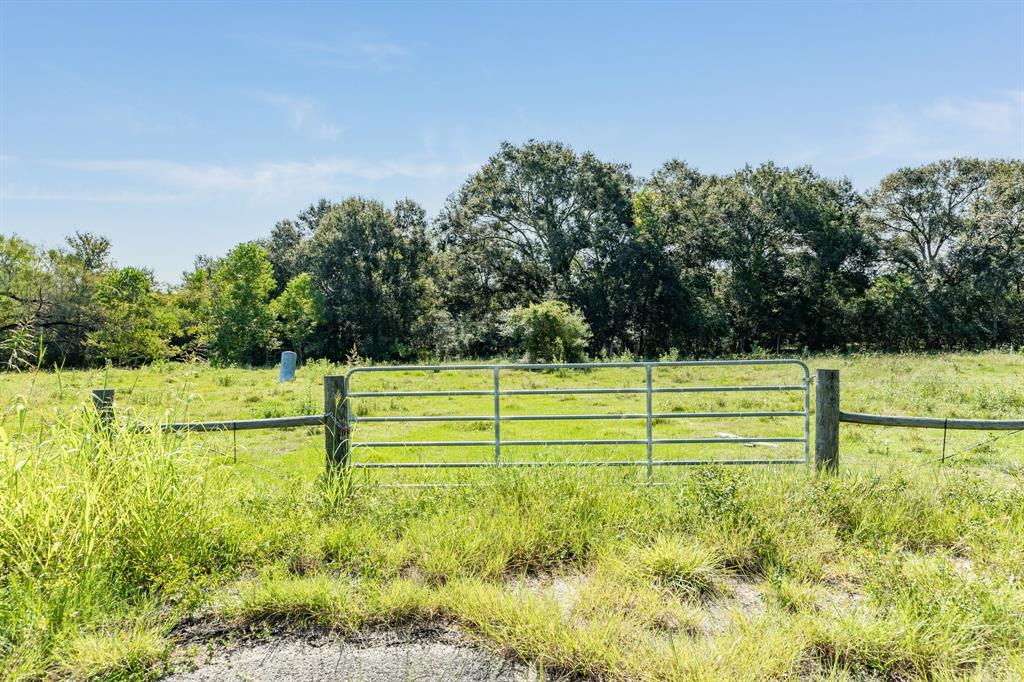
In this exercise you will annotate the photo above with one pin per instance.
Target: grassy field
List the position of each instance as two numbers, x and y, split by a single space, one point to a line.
901 567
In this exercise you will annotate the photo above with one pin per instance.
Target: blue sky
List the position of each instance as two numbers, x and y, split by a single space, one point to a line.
184 128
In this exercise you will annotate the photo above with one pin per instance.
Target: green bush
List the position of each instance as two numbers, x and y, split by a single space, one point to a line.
548 331
297 311
138 324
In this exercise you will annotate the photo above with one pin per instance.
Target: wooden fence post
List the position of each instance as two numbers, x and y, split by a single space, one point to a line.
103 401
336 427
826 420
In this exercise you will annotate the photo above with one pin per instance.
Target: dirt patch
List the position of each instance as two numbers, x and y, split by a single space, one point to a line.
714 613
409 655
842 596
563 589
739 596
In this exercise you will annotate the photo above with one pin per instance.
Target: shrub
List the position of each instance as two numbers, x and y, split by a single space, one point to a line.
548 331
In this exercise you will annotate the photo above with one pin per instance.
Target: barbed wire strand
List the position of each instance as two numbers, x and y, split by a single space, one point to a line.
975 446
945 430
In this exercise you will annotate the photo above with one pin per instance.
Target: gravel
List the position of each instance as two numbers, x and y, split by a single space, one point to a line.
387 656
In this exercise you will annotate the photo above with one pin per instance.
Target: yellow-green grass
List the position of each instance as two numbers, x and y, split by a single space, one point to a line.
986 385
898 568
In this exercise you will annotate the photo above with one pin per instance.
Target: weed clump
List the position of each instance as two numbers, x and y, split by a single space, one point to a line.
687 568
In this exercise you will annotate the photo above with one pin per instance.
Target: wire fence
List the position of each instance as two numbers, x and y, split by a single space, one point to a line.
386 424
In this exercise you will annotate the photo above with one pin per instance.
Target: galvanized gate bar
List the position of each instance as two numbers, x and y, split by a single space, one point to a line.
726 389
575 365
497 415
434 418
566 463
410 394
571 391
428 443
649 420
556 417
648 415
770 439
591 441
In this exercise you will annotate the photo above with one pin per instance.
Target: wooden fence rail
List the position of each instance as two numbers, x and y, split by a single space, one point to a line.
828 417
247 424
334 419
933 422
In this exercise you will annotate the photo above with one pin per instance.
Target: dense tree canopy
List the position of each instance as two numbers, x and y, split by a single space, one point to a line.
239 306
549 252
298 310
48 299
669 292
138 328
793 256
536 221
922 213
951 247
372 267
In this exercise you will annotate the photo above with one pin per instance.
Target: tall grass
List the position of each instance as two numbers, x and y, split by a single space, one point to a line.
97 527
109 538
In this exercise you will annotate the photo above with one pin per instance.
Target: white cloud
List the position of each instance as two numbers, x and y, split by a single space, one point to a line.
886 132
381 55
267 180
372 52
948 127
328 131
13 194
998 117
303 114
887 137
378 51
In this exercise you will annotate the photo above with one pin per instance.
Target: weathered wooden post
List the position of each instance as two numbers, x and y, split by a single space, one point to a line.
826 421
336 427
103 401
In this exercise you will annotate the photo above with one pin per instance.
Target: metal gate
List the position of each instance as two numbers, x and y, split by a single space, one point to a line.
647 417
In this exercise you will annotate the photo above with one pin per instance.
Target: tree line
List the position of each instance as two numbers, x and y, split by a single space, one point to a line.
558 254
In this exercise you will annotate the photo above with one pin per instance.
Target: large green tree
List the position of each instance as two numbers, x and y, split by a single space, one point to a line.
537 220
47 297
286 246
241 321
920 213
137 323
670 283
298 312
946 232
985 277
792 256
373 272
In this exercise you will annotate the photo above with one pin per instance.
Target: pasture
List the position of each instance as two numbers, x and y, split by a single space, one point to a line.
113 544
